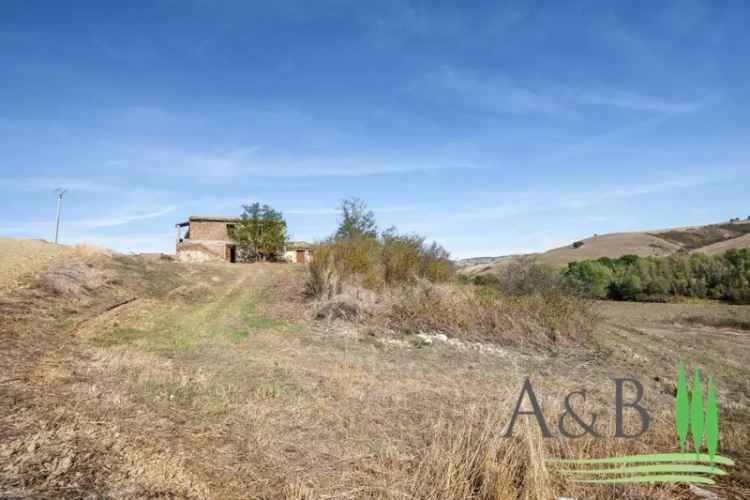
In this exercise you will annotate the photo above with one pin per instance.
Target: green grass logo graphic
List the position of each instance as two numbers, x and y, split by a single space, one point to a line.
695 418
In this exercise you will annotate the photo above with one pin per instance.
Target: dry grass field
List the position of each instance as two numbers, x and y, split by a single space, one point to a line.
132 377
20 257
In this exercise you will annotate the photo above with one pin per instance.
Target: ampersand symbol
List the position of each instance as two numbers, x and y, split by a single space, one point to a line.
588 428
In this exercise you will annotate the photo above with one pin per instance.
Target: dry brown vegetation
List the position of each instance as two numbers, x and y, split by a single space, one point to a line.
693 238
469 312
24 256
126 377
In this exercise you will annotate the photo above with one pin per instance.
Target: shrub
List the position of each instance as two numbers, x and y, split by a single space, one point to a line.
323 279
627 287
589 278
526 276
578 244
355 255
436 264
402 257
335 261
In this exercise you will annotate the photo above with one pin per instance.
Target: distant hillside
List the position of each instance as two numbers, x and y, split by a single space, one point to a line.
480 261
697 237
610 245
711 239
479 265
723 246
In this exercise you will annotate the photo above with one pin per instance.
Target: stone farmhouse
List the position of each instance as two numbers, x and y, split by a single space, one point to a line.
207 238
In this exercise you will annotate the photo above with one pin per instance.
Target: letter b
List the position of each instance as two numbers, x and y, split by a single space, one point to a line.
620 406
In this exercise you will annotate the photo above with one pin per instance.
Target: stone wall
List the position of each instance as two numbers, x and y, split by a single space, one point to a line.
208 230
200 251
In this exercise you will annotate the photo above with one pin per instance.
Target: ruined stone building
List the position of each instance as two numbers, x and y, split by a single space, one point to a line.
207 238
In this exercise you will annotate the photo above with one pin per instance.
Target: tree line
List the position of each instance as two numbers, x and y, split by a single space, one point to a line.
718 277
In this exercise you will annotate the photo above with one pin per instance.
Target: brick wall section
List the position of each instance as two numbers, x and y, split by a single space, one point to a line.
208 230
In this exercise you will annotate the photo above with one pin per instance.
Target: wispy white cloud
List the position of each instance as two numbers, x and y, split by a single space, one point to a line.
120 219
271 167
497 94
631 100
117 219
544 202
489 94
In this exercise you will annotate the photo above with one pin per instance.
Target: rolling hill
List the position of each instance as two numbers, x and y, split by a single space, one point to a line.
723 246
710 239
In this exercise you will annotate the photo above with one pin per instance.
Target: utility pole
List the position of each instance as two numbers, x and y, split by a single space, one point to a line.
59 192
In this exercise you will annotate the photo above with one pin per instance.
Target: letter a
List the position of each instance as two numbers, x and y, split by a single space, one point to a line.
536 411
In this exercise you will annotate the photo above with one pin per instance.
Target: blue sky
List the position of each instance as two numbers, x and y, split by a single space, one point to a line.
493 128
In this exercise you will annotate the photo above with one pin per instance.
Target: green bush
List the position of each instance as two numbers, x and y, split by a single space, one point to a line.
627 287
589 278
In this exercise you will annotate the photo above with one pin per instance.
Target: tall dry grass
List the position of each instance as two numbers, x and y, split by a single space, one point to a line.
475 312
469 459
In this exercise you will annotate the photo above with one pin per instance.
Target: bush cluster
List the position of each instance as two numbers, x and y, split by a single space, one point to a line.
720 277
373 261
523 277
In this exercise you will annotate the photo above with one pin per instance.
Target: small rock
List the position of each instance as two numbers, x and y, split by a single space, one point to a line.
706 494
424 339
